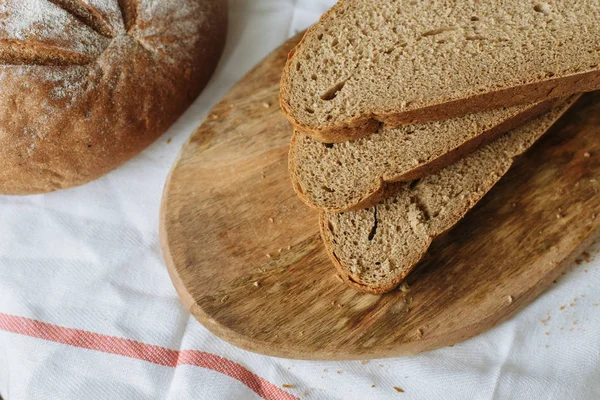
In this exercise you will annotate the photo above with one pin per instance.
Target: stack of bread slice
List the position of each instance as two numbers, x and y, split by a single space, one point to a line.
406 113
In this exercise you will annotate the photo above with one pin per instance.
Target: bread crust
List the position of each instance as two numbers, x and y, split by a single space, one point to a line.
113 107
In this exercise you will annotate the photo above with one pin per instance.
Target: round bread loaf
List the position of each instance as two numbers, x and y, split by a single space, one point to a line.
87 84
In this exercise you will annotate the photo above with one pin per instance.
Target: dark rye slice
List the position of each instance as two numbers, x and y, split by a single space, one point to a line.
352 175
375 248
406 61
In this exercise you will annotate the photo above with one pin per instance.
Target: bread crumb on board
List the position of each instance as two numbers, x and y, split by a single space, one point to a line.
510 299
288 386
266 104
399 390
336 304
256 284
587 154
586 256
169 140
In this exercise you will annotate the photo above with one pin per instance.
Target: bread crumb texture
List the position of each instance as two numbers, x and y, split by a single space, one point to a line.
339 176
376 58
375 248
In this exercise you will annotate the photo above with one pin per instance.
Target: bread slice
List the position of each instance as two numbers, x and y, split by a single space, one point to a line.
375 248
409 61
352 175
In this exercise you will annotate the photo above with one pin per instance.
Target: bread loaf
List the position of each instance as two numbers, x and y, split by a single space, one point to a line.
375 248
87 84
352 175
408 61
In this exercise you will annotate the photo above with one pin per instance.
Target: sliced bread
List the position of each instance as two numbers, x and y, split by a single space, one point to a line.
407 61
375 248
352 175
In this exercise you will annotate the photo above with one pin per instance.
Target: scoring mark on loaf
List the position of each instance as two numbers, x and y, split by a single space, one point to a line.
33 52
87 14
20 52
129 10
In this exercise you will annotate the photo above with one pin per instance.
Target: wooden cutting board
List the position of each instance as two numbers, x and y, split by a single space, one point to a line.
247 260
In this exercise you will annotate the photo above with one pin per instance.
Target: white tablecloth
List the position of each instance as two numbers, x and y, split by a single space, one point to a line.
87 310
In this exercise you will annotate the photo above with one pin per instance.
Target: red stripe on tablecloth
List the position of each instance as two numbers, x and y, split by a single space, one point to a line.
141 351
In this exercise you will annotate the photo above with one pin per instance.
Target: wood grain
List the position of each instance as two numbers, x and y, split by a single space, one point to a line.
246 257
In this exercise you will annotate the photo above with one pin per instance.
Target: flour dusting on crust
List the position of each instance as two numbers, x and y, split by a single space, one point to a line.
185 21
42 21
109 9
80 94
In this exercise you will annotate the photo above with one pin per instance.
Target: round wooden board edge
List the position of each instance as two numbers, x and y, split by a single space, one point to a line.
296 351
238 339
